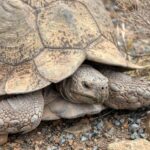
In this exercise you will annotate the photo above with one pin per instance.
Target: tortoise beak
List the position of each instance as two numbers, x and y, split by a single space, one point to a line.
102 94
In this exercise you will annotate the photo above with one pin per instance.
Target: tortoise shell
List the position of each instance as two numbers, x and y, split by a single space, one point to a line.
45 41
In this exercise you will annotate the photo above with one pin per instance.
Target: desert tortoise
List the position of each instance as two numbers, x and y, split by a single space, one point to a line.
44 45
44 42
23 113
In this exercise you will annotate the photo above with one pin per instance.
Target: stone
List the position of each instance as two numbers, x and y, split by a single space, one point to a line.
134 136
83 138
100 125
117 123
62 141
70 136
140 144
95 148
52 148
134 127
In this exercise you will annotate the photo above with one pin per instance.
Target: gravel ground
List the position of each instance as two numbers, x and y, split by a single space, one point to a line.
90 133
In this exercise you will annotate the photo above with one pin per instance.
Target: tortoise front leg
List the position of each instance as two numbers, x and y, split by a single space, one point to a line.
126 92
21 113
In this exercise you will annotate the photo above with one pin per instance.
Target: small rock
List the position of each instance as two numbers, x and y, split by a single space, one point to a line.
134 136
122 121
95 148
100 125
52 148
83 138
142 135
134 127
138 121
70 136
62 141
140 131
117 123
140 144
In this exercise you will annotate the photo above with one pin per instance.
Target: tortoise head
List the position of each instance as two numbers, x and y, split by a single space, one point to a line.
86 85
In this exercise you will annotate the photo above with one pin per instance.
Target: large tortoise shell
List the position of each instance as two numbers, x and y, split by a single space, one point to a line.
45 41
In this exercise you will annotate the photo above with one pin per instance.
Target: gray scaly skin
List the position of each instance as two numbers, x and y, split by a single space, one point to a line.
127 92
21 113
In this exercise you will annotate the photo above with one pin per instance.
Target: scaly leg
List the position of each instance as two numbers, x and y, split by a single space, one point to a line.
126 92
21 113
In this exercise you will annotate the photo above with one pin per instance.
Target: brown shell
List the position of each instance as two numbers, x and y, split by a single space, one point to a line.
44 41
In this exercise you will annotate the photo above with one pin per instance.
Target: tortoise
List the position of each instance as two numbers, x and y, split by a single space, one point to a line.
23 113
44 42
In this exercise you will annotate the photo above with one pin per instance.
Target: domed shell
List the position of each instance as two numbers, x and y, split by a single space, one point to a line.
45 41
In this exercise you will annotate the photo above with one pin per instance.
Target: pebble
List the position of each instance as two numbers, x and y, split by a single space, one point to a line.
100 125
134 136
95 148
138 121
134 127
141 131
117 123
122 120
62 141
83 138
52 148
143 135
70 136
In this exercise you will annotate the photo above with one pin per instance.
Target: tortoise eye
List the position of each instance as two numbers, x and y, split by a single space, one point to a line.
86 85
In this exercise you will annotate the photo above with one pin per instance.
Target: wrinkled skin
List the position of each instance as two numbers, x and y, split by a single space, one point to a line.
87 91
21 113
